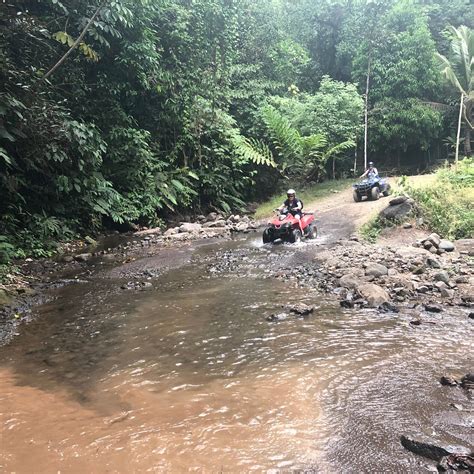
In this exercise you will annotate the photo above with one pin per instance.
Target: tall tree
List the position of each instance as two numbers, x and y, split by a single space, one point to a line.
458 69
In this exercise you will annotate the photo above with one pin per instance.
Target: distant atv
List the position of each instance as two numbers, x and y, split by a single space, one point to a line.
286 228
371 189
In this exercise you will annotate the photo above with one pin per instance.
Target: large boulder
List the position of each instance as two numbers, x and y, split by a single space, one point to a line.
350 281
153 231
190 227
446 245
218 223
376 270
375 295
172 231
397 212
397 200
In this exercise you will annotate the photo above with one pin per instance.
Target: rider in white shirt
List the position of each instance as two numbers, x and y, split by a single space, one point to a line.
370 172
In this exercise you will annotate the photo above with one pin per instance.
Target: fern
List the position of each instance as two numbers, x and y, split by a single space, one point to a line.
254 151
285 138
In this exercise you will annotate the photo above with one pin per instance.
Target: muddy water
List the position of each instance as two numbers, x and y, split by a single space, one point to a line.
190 376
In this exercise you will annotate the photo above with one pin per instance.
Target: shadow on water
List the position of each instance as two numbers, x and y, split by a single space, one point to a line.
190 375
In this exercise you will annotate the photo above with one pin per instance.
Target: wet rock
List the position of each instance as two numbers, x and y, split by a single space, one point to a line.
462 279
242 227
388 307
448 381
422 289
397 212
350 281
277 317
170 232
83 257
467 381
446 245
67 259
433 308
471 316
426 450
457 462
416 322
376 270
441 276
301 309
190 227
374 295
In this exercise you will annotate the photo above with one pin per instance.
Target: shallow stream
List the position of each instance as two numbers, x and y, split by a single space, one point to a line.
190 376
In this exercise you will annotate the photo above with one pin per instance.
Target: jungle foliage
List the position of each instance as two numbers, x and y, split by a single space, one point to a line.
115 112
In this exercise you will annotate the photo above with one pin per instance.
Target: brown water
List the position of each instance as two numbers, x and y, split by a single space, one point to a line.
191 377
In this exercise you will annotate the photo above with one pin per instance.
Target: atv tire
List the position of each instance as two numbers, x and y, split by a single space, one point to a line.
387 191
295 236
312 232
357 197
266 236
375 193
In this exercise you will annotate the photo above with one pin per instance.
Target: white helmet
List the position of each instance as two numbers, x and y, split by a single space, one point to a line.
291 192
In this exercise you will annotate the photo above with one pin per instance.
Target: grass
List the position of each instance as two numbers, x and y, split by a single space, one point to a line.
444 200
307 195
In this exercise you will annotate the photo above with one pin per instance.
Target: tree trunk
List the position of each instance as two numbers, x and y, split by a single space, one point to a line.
366 113
461 105
76 43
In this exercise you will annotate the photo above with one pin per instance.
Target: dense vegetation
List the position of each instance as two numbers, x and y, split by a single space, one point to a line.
444 203
186 105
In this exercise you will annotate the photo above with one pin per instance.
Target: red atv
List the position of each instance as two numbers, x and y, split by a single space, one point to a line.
285 227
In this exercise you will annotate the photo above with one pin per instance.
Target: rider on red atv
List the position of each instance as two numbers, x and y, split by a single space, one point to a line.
293 205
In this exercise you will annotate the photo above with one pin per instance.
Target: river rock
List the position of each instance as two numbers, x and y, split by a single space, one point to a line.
376 270
446 245
397 200
374 295
190 227
447 293
179 237
468 381
242 227
466 245
212 216
396 212
433 308
301 309
433 262
448 381
212 224
170 232
83 257
277 317
153 231
434 239
350 281
426 450
441 276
